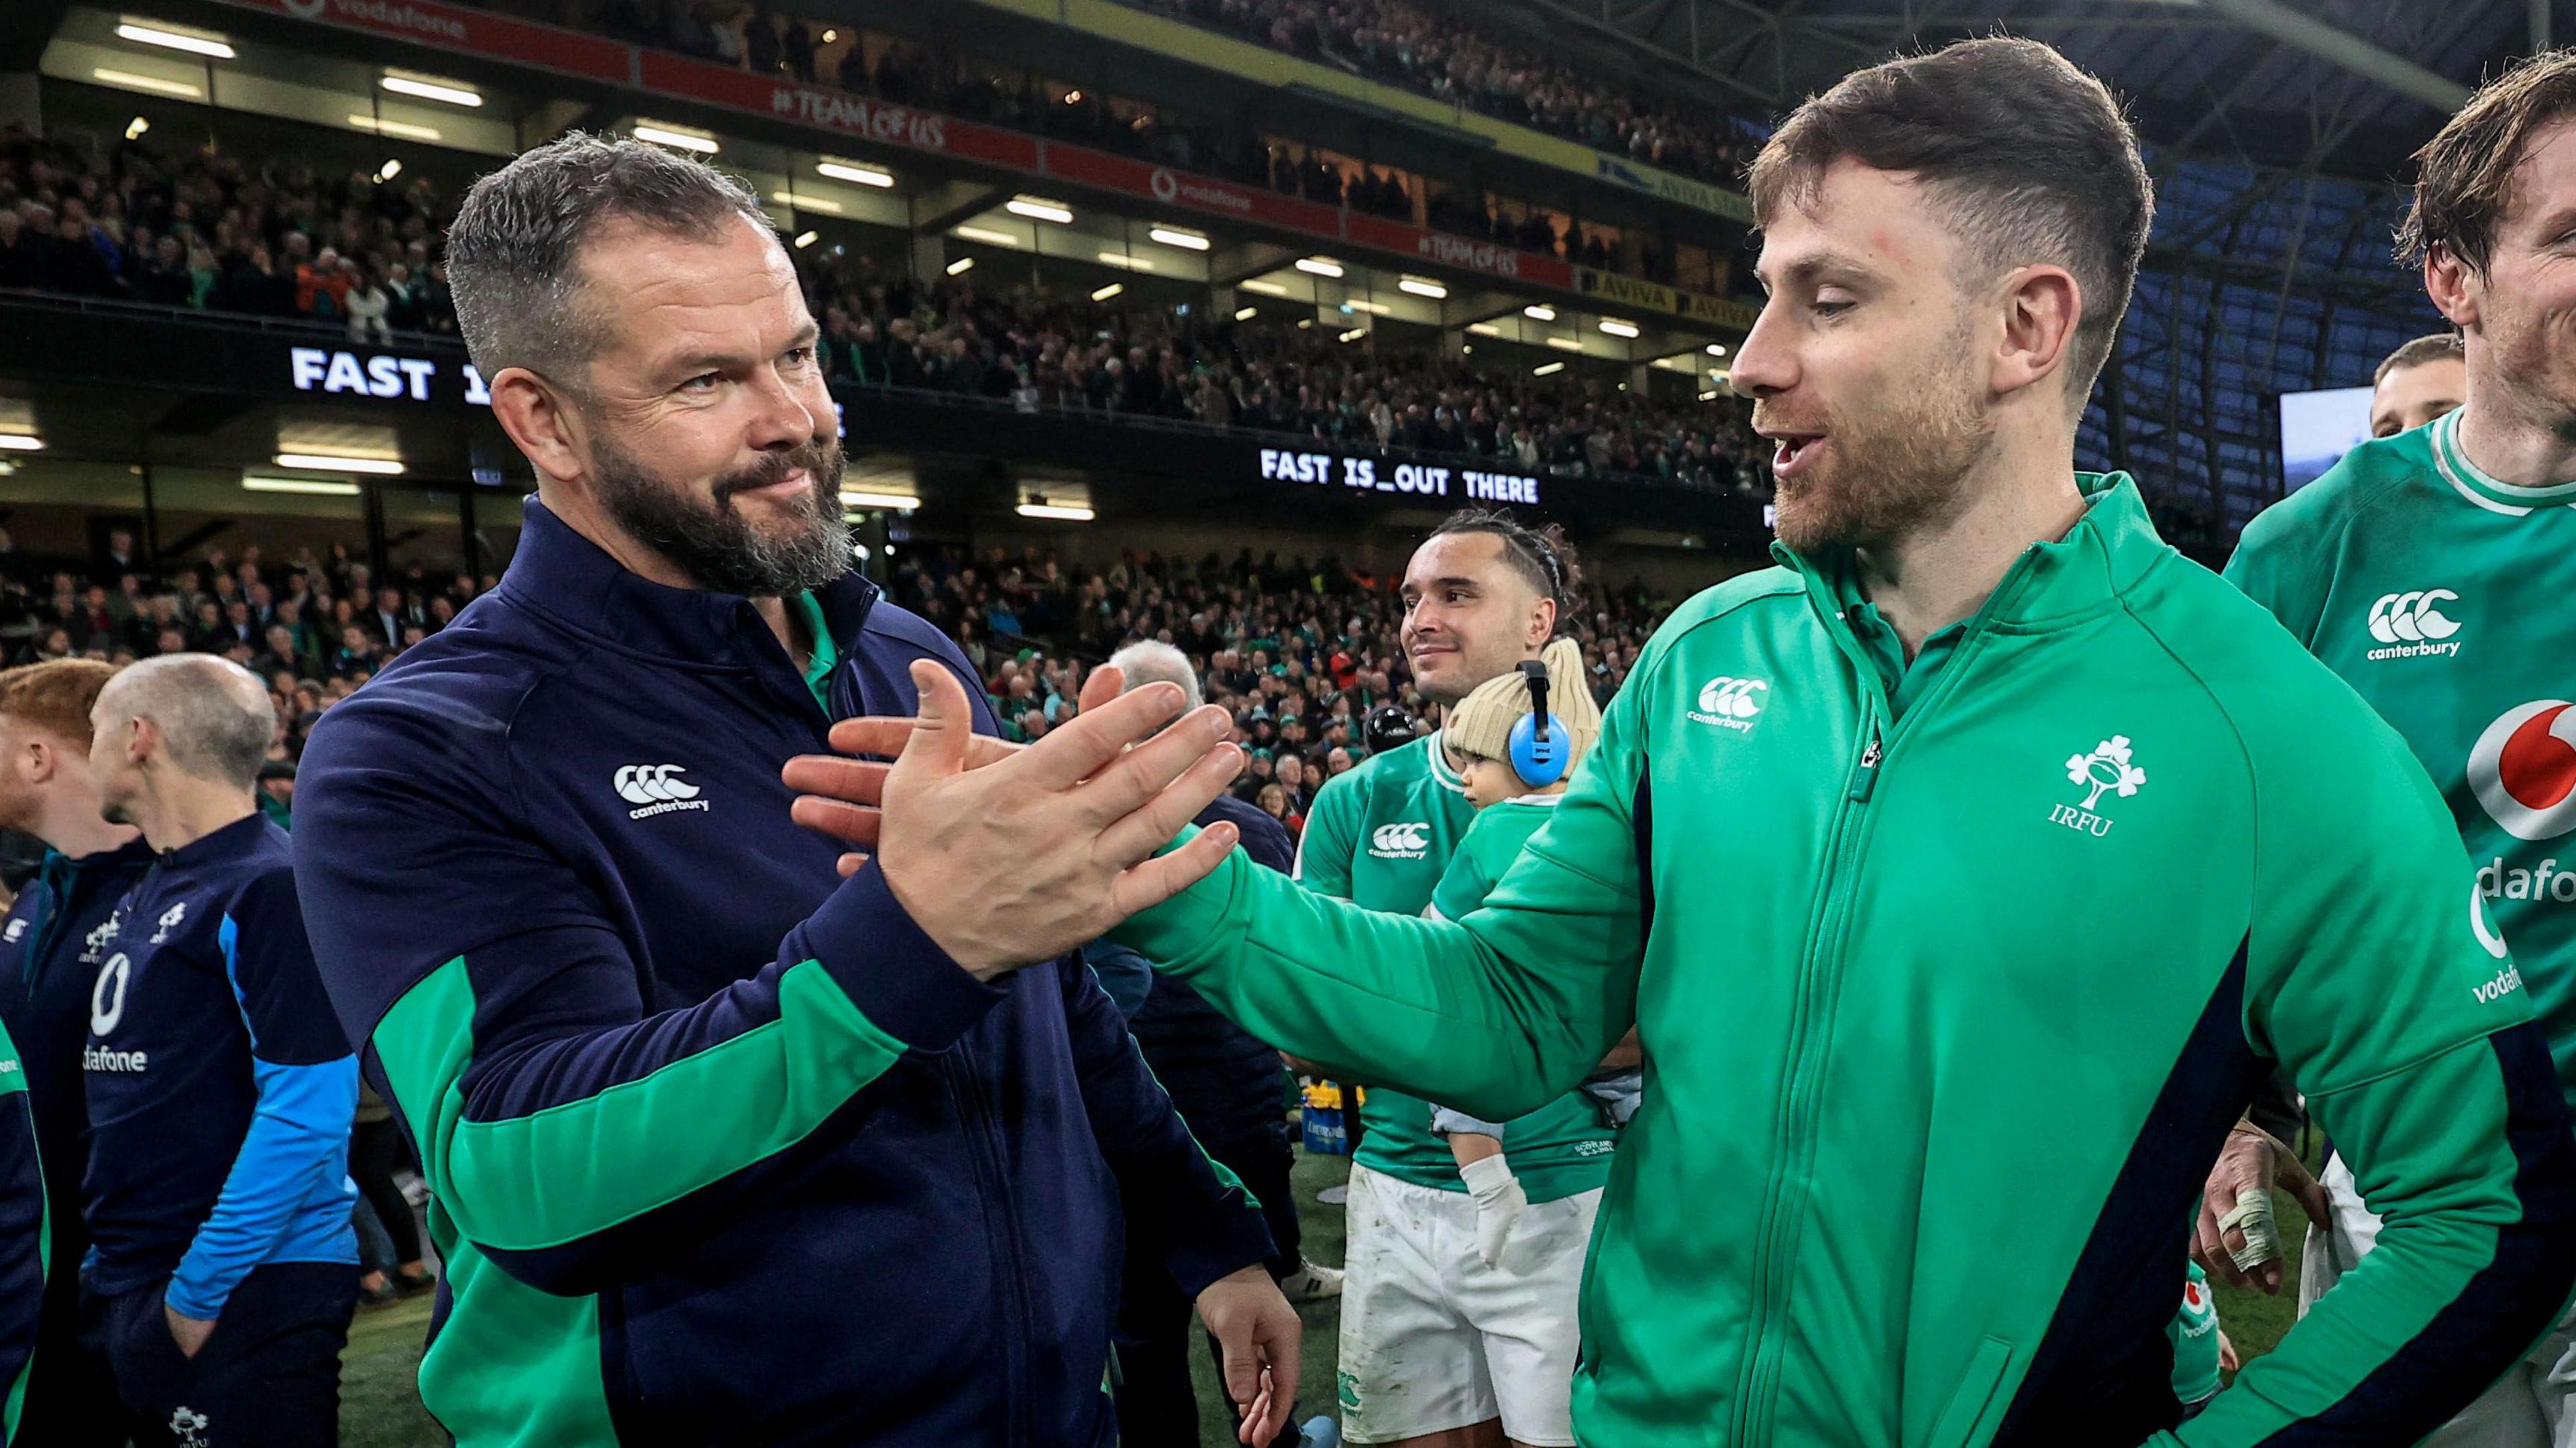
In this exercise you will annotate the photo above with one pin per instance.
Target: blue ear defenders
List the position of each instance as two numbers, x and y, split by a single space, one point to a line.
1538 744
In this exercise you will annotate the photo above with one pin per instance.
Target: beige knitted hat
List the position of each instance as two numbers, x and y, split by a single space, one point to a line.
1481 724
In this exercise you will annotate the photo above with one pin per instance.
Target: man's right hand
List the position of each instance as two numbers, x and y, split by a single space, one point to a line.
2252 1161
1006 861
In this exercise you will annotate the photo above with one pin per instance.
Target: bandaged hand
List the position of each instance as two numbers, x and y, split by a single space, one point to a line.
1499 1202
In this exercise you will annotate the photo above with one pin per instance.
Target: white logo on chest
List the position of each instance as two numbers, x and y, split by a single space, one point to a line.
1730 703
1400 841
2108 769
107 996
169 921
656 789
2412 625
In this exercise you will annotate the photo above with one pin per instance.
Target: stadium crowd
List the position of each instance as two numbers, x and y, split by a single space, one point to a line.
905 72
1041 350
270 236
279 238
312 626
1304 654
1441 52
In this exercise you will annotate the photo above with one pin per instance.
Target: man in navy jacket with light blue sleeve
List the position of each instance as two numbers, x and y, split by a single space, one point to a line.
722 1149
220 1089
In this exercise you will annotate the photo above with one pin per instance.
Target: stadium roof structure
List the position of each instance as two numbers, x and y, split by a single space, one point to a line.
2279 133
2347 87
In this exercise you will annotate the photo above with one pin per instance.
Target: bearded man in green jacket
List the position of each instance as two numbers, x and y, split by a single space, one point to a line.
1984 805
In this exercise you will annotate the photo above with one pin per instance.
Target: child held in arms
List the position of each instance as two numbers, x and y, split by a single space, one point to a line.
1515 742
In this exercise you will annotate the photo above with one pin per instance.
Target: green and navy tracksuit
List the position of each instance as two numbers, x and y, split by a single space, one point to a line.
2441 596
1381 835
23 1245
722 1148
2122 850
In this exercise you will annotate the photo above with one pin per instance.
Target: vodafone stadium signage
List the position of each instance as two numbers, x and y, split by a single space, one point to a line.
474 32
1086 167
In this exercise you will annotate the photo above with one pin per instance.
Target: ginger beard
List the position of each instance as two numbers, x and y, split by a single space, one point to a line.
1889 464
713 541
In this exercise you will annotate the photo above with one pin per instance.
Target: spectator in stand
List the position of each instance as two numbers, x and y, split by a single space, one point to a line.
366 304
22 262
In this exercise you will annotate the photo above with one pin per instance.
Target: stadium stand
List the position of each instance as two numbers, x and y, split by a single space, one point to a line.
1442 53
1301 651
272 236
1394 44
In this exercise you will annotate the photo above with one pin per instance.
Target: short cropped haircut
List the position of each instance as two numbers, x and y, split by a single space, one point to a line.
1542 556
514 252
2464 175
2431 348
2032 159
215 717
54 696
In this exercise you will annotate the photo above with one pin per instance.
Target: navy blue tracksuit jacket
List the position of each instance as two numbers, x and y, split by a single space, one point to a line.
51 947
724 1150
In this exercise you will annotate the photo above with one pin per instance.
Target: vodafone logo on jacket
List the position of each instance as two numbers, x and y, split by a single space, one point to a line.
2523 769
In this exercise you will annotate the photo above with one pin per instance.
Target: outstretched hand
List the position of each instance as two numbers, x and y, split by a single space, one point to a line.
1006 855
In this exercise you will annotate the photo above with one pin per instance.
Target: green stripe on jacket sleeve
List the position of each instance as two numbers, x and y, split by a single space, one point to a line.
571 1169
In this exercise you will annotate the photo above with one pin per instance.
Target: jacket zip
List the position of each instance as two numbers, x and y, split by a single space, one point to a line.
1819 987
1818 979
989 1181
991 1178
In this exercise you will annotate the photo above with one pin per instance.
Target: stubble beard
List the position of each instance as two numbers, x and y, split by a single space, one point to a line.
1894 468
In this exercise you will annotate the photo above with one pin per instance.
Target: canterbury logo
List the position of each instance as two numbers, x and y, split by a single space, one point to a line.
1400 842
2412 618
1730 702
658 788
653 783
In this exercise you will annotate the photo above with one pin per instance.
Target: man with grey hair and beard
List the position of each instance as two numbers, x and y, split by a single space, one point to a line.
222 1266
723 1150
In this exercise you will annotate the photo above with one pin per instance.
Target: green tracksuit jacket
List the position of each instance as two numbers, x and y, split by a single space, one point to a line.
1945 1019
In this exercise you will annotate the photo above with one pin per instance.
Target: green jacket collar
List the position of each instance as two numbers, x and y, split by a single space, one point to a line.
2051 584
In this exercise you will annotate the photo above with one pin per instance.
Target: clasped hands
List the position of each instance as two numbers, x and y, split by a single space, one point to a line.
1006 854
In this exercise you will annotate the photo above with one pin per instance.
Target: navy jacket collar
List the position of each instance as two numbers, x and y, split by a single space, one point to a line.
574 581
231 840
134 854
